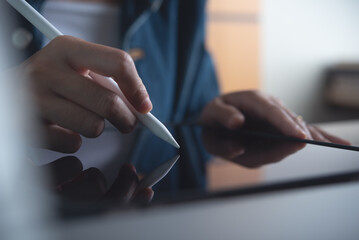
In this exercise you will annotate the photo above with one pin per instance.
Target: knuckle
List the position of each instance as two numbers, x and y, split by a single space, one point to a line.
257 94
232 111
74 143
77 142
115 113
63 46
140 93
94 127
128 126
61 40
35 70
110 105
276 99
213 105
276 109
36 74
124 60
36 65
273 107
272 110
216 102
125 57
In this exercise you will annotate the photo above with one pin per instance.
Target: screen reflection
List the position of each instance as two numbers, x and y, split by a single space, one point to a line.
247 150
82 191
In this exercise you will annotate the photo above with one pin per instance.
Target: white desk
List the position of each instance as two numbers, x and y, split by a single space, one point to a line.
346 129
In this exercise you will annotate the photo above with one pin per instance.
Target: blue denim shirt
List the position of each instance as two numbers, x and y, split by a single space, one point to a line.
176 69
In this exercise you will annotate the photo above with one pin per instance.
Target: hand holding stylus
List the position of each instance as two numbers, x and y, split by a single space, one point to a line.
112 70
70 102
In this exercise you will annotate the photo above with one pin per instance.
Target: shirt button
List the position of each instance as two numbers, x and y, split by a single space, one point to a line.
21 38
136 54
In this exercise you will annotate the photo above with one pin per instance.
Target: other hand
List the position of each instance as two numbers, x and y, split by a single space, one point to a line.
233 110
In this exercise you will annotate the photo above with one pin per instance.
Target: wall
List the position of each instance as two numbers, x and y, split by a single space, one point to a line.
299 39
233 40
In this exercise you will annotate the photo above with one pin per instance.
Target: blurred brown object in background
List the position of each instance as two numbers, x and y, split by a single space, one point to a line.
342 85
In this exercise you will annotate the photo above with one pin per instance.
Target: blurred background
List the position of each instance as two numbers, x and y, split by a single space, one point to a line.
298 51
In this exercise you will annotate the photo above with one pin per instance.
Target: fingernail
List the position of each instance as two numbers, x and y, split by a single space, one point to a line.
146 106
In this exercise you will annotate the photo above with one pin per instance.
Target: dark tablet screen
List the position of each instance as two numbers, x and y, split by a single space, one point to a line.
212 163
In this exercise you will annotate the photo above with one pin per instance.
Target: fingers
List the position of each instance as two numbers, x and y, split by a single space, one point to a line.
71 116
320 135
264 107
317 135
95 98
61 140
297 119
66 97
109 62
227 111
312 132
219 113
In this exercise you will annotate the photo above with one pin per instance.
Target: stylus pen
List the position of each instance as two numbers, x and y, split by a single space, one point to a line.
44 26
157 174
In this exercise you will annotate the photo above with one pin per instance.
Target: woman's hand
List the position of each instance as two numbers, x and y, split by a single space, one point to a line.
235 109
70 103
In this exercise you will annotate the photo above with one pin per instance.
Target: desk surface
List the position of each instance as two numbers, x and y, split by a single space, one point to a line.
346 129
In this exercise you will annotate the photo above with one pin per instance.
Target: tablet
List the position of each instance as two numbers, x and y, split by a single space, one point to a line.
211 163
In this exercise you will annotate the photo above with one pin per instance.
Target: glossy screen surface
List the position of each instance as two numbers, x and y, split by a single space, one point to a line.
211 164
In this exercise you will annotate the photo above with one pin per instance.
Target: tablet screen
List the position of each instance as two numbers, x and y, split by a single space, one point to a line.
210 163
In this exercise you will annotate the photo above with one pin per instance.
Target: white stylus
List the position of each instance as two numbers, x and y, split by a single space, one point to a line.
157 174
44 26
